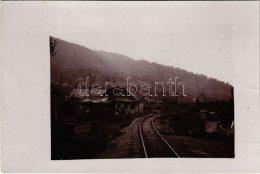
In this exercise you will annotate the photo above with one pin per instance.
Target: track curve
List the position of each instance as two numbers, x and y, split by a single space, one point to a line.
154 145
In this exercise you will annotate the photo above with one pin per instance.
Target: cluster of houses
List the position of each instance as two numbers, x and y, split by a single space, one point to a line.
124 104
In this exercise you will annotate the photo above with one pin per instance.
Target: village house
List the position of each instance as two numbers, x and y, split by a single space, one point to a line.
108 102
126 104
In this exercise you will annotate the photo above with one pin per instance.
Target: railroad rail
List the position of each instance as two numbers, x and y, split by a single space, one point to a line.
155 131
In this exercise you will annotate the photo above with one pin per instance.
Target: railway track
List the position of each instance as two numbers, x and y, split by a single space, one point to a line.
153 143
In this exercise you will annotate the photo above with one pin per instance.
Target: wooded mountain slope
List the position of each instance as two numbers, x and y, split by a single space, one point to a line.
76 62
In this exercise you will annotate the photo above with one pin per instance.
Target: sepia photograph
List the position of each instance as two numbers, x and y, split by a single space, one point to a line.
161 89
130 87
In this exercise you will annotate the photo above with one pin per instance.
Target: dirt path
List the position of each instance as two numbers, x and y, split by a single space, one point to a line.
125 146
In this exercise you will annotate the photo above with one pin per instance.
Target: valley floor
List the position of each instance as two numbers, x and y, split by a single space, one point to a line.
128 145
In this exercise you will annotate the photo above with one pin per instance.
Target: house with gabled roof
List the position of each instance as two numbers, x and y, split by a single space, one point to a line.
124 102
117 99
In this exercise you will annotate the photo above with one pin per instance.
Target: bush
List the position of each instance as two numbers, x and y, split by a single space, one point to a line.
187 123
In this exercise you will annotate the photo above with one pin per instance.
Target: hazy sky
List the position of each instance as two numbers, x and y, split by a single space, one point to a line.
198 37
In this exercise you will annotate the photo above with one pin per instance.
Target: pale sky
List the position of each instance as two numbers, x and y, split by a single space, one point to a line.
200 37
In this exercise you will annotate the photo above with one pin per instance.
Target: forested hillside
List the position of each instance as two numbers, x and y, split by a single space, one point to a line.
76 62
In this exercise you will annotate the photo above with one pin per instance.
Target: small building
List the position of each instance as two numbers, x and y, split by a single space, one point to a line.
110 102
125 103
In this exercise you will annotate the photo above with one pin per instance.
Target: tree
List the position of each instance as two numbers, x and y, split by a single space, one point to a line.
53 44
